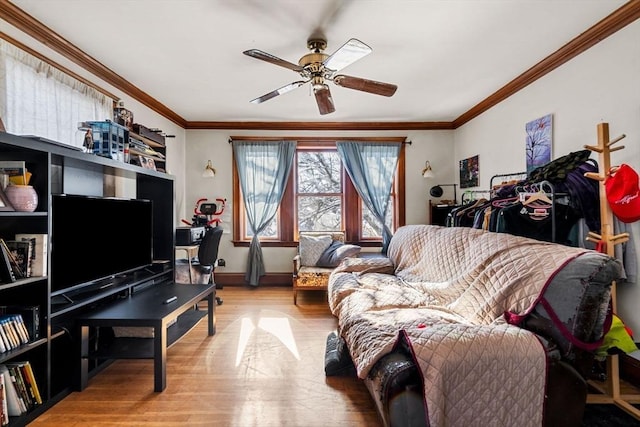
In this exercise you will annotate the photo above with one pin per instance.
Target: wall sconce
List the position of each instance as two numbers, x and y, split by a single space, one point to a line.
427 172
209 171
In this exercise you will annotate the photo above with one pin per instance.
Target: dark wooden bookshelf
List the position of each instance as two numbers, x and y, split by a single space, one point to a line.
60 169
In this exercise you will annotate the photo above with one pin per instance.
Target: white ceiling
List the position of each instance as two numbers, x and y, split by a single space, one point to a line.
445 55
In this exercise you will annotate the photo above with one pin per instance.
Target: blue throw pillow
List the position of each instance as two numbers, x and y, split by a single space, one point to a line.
335 253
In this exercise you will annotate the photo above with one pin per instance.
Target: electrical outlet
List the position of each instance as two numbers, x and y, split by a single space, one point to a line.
221 262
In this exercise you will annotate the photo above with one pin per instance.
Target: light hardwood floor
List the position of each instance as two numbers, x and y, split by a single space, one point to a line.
263 367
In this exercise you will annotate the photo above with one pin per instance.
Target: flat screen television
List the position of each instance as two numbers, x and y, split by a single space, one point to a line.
98 238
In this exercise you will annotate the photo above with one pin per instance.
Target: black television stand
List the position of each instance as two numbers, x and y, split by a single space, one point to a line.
155 307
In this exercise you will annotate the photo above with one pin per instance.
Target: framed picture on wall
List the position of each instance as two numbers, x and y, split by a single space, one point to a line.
469 172
538 142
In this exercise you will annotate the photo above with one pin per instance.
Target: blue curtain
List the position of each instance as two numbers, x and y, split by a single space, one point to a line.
371 167
263 168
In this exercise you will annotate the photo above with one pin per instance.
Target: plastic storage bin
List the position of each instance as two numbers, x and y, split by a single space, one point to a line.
109 139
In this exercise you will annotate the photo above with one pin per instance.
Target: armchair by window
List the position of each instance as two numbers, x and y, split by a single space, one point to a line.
319 252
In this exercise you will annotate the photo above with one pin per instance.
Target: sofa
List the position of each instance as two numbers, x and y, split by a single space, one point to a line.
459 326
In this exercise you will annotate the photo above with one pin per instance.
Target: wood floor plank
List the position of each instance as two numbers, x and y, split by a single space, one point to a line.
263 367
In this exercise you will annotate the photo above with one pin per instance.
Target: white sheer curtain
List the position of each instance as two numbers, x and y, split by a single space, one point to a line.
38 99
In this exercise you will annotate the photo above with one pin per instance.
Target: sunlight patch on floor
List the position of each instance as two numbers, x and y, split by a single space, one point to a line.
276 326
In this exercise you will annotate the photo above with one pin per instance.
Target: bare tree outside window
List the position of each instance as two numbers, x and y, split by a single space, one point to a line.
371 227
270 231
319 191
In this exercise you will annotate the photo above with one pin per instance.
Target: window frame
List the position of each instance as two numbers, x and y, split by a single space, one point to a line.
352 204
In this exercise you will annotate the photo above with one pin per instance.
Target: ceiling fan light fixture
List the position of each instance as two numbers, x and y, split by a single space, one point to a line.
319 67
323 98
320 86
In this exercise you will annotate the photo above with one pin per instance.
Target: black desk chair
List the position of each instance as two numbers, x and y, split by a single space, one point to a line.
200 269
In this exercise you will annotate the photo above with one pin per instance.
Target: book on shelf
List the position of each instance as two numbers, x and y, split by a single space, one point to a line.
4 411
11 340
31 378
18 324
21 251
27 386
13 331
29 318
38 254
6 271
21 387
5 340
15 267
16 170
14 407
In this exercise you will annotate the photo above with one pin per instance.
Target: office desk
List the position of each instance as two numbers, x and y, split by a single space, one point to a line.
192 252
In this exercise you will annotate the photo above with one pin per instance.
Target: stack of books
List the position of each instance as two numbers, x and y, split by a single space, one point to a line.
13 332
19 392
24 257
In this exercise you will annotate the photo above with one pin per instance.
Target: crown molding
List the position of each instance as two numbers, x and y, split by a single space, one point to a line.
367 126
620 18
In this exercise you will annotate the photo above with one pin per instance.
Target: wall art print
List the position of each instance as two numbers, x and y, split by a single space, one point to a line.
469 172
538 142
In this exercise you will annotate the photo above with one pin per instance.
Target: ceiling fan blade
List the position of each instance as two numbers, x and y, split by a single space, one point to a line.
371 86
348 53
280 91
323 98
258 54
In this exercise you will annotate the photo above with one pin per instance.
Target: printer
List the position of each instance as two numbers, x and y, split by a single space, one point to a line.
188 236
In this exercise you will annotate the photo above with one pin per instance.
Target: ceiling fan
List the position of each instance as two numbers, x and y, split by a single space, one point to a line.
318 68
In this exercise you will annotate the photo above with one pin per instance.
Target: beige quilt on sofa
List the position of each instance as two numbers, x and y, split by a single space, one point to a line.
445 291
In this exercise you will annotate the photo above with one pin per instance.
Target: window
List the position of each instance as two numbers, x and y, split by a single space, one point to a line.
319 189
38 99
319 197
371 228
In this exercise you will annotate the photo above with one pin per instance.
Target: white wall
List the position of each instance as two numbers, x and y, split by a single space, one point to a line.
600 85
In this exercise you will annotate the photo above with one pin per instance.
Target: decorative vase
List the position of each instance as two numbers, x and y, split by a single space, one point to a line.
23 198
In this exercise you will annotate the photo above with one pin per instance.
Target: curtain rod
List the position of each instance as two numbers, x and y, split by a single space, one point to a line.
376 139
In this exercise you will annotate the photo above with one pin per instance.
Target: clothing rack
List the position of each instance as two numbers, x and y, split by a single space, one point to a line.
515 176
610 392
540 186
472 193
547 188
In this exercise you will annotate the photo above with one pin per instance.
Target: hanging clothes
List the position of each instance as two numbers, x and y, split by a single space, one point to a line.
541 221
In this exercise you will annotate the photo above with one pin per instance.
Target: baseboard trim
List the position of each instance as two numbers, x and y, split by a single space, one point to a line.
270 279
